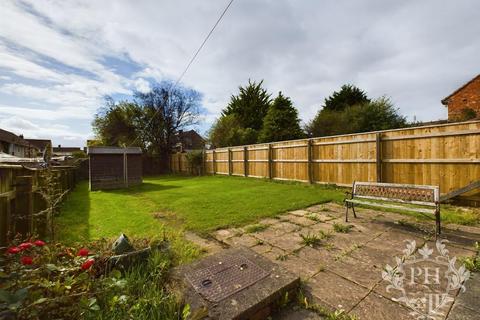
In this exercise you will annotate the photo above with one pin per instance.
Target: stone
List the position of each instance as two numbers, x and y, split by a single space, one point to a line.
256 301
122 245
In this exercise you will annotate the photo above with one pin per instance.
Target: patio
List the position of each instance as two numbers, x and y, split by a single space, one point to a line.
341 267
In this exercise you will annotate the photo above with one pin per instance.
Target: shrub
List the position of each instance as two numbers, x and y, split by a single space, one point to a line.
195 162
54 281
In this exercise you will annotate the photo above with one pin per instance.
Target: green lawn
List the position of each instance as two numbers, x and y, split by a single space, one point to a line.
201 204
170 204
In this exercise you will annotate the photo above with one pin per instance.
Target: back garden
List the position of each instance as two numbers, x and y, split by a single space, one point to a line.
72 277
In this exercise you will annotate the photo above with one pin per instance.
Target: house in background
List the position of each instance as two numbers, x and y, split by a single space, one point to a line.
44 146
464 103
188 140
15 145
65 151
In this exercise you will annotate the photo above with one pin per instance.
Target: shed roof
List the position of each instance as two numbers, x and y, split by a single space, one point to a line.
114 150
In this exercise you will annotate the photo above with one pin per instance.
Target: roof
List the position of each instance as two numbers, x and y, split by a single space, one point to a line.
114 150
40 143
66 149
445 100
11 137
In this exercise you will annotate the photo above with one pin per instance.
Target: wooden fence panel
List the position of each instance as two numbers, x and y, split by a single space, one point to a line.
446 155
20 198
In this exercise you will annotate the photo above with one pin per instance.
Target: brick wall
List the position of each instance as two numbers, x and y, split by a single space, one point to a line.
466 97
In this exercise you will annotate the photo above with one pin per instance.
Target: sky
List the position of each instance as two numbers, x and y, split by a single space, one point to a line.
59 59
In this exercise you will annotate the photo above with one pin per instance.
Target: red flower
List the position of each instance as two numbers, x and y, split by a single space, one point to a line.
26 260
14 250
39 243
87 264
83 252
25 245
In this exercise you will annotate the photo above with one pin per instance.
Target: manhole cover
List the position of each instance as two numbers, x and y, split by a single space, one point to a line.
226 277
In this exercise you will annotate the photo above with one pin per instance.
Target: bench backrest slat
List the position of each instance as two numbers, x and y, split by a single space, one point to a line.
405 193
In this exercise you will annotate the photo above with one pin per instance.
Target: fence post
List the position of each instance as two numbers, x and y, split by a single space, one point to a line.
229 152
23 205
378 151
245 161
309 158
204 160
269 161
214 163
179 155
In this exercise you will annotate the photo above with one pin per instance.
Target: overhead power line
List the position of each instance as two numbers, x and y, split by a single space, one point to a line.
190 62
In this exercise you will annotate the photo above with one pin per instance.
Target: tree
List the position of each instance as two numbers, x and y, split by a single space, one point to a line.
379 114
349 95
250 106
117 124
227 132
151 120
281 121
167 109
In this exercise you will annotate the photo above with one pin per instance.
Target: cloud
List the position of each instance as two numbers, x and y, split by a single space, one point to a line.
56 56
142 85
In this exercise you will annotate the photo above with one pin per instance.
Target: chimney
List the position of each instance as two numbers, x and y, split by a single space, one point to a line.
59 146
21 136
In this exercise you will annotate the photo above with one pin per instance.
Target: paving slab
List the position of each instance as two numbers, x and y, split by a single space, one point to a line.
460 312
357 271
321 256
299 220
334 292
222 235
285 227
299 213
302 268
208 245
243 240
375 307
471 297
289 242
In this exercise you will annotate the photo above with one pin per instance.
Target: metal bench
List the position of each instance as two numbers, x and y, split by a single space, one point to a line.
419 195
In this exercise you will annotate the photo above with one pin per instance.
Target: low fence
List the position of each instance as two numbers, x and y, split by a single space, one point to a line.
444 155
21 200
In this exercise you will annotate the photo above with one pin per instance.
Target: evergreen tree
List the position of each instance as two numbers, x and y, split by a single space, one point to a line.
250 106
281 121
349 95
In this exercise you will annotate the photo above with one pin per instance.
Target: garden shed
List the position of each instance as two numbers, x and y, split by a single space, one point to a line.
114 167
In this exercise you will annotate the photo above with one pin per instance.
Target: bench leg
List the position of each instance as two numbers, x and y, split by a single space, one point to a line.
346 211
353 209
437 220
